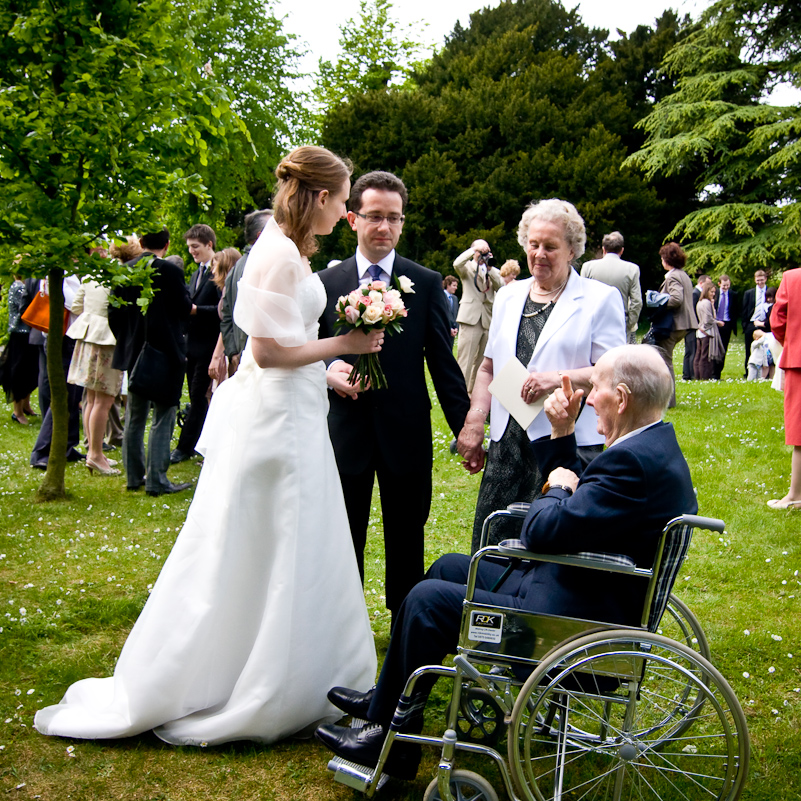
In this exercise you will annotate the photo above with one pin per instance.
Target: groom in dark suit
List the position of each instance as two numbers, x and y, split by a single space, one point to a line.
387 432
620 504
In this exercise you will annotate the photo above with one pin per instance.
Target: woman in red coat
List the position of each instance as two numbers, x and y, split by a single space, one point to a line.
785 323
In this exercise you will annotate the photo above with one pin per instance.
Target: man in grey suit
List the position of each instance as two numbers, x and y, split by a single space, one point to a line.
622 275
234 338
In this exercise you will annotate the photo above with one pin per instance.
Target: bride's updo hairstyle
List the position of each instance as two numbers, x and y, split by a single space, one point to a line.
302 175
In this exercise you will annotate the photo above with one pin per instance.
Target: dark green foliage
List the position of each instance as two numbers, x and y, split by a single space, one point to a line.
743 150
526 103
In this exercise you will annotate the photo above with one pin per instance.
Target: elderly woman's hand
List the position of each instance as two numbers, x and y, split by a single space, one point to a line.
470 445
539 384
562 408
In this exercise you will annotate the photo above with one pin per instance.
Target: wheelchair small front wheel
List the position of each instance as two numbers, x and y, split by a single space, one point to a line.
480 718
465 786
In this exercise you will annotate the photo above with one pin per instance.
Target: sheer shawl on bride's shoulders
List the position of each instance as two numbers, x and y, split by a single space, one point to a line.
267 300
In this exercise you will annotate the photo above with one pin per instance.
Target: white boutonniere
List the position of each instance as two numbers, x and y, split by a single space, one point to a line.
404 283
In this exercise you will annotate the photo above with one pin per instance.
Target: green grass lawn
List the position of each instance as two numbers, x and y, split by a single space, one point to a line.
75 574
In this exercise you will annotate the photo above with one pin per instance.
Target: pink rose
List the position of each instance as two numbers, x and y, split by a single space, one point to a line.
352 315
378 285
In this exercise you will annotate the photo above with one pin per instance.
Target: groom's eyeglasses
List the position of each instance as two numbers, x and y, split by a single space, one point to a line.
377 219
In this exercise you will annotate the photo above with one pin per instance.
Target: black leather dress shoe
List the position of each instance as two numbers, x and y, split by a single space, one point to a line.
176 457
351 701
75 456
169 490
363 746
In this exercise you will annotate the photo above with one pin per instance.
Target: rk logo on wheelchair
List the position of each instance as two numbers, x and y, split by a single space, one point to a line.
485 627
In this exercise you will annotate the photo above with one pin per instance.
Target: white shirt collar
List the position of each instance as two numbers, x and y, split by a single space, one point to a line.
363 264
633 433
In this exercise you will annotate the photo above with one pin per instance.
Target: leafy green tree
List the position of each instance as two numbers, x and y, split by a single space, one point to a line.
525 103
100 104
720 124
245 48
377 52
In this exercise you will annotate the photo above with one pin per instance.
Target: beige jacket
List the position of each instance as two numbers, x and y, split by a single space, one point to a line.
476 305
91 306
679 286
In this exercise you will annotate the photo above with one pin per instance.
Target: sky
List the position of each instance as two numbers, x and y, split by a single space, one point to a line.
317 22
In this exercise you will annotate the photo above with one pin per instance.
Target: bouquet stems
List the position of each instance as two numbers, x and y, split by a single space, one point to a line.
368 371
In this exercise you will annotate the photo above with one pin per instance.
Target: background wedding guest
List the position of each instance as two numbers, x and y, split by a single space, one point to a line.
708 348
450 284
163 326
480 281
221 265
90 367
234 338
679 286
727 311
40 454
509 271
785 323
752 298
690 339
20 373
556 323
611 269
758 361
204 328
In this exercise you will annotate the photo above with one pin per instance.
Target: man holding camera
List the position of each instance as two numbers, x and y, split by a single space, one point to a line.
480 282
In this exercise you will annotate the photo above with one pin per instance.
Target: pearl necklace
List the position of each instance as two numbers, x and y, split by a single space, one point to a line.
550 302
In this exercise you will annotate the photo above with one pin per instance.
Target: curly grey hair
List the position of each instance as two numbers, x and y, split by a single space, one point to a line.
556 211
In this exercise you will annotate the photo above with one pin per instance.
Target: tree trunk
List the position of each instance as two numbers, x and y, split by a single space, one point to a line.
52 487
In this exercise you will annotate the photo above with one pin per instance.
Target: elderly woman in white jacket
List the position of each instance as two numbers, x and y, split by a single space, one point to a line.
556 323
91 368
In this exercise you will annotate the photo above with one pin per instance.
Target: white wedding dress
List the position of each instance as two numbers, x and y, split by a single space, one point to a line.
259 609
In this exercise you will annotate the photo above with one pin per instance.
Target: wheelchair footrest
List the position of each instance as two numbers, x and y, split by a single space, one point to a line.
352 775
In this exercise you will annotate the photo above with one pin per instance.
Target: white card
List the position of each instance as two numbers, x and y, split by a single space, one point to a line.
507 385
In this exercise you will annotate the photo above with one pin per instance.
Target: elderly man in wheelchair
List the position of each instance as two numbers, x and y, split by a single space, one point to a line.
562 655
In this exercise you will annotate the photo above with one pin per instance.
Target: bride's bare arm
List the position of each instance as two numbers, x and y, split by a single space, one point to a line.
268 353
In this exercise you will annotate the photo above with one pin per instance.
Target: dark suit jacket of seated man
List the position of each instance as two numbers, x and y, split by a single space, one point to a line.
620 504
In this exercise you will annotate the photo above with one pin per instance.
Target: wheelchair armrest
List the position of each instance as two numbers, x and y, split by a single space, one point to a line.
518 509
611 562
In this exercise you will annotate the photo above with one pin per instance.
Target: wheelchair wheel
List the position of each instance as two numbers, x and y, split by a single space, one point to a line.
679 623
480 719
610 716
465 786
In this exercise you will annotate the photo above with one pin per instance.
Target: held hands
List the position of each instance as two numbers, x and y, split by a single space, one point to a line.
337 378
562 408
470 444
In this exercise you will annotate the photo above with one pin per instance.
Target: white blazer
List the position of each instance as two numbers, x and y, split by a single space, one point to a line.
586 321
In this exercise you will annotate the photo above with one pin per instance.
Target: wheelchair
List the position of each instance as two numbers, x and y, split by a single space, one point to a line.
587 710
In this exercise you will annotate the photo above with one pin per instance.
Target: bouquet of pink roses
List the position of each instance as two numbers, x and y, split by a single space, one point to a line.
372 306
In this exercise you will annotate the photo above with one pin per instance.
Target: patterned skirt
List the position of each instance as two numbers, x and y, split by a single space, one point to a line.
91 368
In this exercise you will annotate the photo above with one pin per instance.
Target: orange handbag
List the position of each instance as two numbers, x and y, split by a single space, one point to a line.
37 315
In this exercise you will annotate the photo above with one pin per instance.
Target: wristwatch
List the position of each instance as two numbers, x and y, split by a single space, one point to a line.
547 487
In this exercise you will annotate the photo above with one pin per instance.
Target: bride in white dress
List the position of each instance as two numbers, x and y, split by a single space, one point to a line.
259 608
